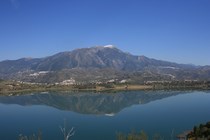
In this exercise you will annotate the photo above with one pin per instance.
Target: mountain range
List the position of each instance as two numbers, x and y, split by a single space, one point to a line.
98 64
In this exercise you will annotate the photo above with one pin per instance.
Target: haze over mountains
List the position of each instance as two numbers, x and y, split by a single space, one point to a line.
98 64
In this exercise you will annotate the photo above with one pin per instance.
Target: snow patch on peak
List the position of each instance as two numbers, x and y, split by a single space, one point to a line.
109 46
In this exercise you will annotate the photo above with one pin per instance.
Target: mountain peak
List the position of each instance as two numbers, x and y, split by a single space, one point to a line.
105 46
109 46
104 61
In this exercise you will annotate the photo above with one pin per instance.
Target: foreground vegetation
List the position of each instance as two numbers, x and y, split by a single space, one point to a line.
14 87
67 134
201 132
138 136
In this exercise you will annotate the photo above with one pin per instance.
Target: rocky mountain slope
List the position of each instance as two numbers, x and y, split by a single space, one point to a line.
98 64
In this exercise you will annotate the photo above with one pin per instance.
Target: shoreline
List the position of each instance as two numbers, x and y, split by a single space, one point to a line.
113 88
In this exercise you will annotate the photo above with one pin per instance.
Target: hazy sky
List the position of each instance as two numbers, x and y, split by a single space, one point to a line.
173 30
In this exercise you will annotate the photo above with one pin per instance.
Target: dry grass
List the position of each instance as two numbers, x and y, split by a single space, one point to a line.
132 87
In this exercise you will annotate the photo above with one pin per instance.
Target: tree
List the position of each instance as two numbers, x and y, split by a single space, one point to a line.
121 136
32 137
132 136
67 134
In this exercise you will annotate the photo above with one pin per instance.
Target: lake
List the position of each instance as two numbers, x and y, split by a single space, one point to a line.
99 116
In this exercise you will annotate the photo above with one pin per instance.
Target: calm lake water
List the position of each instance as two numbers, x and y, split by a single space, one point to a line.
99 116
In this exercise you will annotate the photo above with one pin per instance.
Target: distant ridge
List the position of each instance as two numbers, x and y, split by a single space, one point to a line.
84 62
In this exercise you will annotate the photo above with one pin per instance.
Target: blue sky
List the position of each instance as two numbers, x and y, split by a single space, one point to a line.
172 30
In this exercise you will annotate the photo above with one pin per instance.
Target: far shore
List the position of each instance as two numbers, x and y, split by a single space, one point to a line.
70 88
13 88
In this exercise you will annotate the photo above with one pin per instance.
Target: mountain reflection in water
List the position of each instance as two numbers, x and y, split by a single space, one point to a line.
90 103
